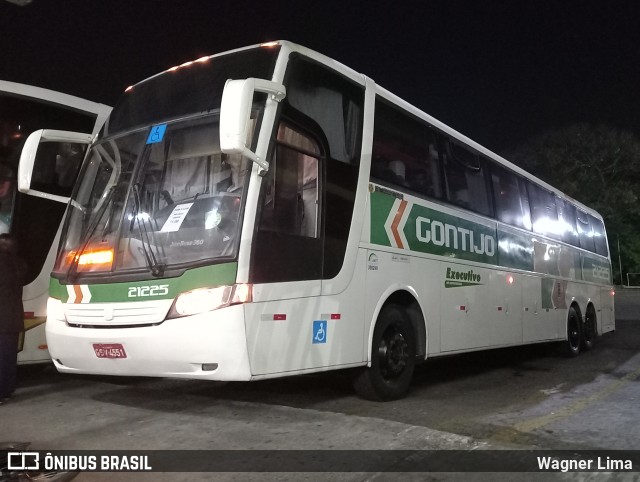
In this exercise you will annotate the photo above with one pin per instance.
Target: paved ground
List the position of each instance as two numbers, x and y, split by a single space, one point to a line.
628 304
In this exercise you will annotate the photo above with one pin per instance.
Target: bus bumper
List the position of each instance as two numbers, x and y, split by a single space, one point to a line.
209 346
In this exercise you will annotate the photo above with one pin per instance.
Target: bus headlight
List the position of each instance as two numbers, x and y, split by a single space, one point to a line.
209 299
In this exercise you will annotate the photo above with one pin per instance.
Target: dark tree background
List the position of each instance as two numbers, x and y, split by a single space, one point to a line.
599 166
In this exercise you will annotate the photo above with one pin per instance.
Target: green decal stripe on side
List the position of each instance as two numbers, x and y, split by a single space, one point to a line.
459 284
596 270
434 232
430 231
162 288
515 250
57 290
381 205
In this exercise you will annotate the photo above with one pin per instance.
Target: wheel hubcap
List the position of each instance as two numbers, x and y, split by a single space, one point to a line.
574 333
589 328
393 354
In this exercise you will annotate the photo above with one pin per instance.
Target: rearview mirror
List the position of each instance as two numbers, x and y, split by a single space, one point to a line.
56 165
235 112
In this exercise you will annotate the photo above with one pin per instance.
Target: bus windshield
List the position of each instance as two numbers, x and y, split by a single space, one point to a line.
156 197
155 191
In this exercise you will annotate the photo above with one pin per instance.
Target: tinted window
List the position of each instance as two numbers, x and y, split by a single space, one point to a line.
332 102
599 237
290 204
288 245
405 152
187 90
585 231
465 180
509 193
567 222
544 214
329 106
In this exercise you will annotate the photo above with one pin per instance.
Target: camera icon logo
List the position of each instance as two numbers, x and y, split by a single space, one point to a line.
23 461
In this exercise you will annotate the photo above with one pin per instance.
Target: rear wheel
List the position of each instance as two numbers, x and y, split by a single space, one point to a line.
589 329
393 356
574 337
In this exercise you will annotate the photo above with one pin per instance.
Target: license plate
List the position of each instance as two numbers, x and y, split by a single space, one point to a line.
109 350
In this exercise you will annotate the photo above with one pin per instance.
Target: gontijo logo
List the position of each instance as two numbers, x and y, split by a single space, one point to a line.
408 225
456 237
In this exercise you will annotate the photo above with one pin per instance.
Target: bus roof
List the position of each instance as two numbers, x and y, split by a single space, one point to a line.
362 80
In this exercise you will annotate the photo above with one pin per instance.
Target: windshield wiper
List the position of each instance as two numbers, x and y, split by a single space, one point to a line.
156 268
73 267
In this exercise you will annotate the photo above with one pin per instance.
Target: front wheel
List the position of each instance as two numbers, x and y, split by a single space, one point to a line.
574 336
393 357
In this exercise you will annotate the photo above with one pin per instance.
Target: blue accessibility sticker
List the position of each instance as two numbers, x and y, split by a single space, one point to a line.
319 331
156 134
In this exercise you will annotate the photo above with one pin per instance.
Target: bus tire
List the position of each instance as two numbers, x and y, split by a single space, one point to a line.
393 357
589 329
574 337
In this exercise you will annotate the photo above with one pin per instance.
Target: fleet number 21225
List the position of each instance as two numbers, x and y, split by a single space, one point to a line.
144 291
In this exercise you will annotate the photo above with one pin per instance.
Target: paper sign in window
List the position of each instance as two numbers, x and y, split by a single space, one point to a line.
175 219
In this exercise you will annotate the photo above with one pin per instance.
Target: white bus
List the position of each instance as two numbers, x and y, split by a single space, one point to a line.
268 212
35 219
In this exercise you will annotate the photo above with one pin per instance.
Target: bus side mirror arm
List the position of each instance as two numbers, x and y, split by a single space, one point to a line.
235 113
30 152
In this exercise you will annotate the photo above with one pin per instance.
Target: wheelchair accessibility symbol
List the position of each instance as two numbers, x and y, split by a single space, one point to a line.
156 134
319 331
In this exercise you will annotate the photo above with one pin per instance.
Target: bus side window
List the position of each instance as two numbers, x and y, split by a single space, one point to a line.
432 186
289 244
465 180
567 219
585 232
291 201
509 199
404 152
544 213
330 106
599 238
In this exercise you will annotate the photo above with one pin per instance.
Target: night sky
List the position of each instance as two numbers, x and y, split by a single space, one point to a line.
498 71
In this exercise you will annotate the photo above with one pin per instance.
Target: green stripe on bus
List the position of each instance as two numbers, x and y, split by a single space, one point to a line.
596 270
430 231
57 290
515 250
380 208
164 288
434 232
